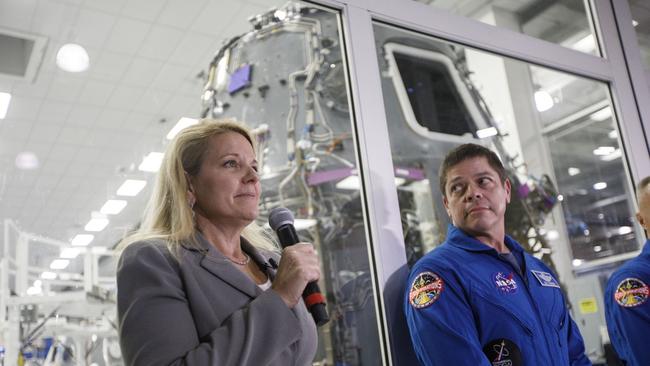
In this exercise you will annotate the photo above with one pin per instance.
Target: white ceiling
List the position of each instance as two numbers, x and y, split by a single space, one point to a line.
91 130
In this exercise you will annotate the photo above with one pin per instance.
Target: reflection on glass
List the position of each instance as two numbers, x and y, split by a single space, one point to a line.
566 22
554 132
285 78
640 10
588 167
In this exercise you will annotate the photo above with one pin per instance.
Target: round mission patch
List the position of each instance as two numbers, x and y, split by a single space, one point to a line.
631 292
426 289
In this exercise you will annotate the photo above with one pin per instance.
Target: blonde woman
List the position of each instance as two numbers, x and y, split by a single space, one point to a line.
196 284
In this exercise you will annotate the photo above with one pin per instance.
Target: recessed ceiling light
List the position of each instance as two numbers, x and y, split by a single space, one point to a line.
624 230
26 160
573 171
59 263
543 100
72 58
5 98
131 187
151 162
82 239
486 132
96 224
600 185
181 124
604 150
113 207
576 262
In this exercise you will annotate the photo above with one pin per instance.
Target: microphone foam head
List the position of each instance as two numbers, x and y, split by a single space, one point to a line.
280 216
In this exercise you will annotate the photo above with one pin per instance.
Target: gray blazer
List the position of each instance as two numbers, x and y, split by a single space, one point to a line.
201 310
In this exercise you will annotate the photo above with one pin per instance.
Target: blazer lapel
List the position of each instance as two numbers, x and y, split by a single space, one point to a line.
261 257
217 264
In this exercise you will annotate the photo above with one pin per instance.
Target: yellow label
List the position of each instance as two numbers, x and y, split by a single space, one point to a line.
588 305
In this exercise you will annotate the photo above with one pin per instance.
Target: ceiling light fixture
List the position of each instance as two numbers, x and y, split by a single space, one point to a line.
151 162
616 154
113 207
72 58
96 224
486 132
131 187
59 264
26 160
82 239
586 44
5 98
604 150
69 253
543 100
48 275
600 186
573 171
181 124
601 115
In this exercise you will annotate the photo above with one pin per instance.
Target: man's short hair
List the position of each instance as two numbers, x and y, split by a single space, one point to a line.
641 187
465 152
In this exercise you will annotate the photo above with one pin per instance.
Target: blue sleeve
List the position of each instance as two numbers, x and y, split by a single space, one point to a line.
441 325
576 344
628 327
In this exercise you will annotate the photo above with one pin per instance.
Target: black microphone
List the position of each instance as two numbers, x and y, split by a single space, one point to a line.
281 221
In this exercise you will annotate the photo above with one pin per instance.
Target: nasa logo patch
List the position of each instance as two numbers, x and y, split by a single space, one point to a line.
503 352
505 282
631 292
425 290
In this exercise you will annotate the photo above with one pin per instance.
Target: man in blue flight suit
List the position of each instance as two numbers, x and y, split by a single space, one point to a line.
479 298
627 308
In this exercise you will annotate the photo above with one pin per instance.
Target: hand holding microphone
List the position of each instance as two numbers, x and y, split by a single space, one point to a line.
299 269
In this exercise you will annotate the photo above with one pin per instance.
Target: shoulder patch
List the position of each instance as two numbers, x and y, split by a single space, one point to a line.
631 292
425 289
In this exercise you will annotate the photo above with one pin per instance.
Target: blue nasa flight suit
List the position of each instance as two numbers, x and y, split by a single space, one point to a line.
627 309
466 306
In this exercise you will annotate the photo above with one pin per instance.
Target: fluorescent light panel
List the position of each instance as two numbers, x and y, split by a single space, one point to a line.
486 132
5 98
48 275
59 264
96 224
113 207
70 253
151 162
181 124
131 187
82 239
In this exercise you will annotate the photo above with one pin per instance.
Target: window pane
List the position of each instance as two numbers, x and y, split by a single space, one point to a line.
554 132
640 10
565 22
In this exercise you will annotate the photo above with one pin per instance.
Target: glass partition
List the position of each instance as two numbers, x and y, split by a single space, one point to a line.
640 10
567 22
555 133
286 79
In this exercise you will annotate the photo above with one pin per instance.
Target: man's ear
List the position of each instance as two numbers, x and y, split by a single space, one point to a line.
508 187
641 221
445 202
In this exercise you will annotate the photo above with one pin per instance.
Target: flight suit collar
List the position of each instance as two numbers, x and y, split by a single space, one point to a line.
646 249
462 240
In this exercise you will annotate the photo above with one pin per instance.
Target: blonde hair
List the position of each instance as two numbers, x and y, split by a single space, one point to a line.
168 215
